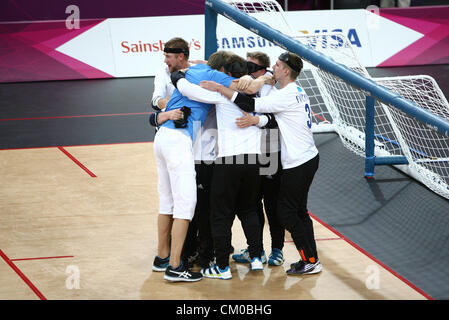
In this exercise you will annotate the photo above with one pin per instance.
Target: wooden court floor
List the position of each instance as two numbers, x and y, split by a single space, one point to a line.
79 223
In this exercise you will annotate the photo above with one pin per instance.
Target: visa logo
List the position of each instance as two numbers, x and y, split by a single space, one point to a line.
352 35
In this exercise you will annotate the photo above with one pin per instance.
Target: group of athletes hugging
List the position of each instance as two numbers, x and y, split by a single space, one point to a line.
233 138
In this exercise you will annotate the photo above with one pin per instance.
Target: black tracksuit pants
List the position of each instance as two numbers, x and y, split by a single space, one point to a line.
199 237
292 207
268 198
235 188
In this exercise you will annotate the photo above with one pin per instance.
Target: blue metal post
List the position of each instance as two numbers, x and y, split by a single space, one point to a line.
210 18
369 137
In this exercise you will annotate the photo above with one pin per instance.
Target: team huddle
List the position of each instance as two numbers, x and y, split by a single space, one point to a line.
232 139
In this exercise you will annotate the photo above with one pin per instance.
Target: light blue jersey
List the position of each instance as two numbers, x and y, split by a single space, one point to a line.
199 110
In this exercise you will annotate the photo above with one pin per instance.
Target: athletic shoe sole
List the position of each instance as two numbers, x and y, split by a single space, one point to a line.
177 279
315 270
220 277
159 269
256 269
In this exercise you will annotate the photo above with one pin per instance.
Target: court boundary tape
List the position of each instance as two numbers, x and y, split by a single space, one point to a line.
76 145
358 248
71 157
22 276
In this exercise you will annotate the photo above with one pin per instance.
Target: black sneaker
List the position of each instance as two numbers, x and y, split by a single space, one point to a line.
160 264
181 273
305 268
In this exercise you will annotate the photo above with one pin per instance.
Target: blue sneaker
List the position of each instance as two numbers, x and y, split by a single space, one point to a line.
276 257
243 256
160 264
214 272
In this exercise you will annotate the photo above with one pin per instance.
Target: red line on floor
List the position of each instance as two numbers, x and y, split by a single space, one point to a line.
78 145
77 162
79 116
319 117
327 239
411 285
22 276
42 258
319 239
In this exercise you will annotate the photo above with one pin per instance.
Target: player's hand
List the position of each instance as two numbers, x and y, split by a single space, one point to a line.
269 79
244 82
175 114
247 120
210 85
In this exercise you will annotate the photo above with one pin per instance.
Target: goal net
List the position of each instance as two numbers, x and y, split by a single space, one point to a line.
340 106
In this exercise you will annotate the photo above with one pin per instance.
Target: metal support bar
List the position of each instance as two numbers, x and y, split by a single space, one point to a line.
390 160
369 137
210 19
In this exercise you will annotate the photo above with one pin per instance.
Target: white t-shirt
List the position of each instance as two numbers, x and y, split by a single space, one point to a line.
205 145
232 140
291 107
270 137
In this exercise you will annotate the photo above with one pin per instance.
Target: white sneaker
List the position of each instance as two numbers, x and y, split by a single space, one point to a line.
214 272
256 264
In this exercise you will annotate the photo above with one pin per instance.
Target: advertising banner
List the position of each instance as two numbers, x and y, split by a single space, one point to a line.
132 47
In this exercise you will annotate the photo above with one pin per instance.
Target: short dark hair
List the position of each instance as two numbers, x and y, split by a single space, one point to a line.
236 66
179 43
217 60
263 58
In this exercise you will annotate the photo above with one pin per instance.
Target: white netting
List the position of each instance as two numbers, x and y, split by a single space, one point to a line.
343 103
268 11
339 106
427 150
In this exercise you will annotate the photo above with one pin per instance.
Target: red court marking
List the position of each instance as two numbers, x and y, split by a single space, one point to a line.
79 116
327 239
411 285
77 162
79 145
21 275
319 239
319 117
41 258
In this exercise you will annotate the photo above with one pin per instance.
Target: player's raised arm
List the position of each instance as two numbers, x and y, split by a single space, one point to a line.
193 91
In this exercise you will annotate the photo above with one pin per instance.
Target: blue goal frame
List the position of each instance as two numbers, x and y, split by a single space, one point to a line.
372 90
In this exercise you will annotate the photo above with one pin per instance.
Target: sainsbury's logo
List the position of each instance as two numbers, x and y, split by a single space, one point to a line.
147 47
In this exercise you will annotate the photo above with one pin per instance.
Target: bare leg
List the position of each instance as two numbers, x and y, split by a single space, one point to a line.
179 231
164 227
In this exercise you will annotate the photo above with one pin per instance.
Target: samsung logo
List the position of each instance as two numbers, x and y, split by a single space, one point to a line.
243 42
259 42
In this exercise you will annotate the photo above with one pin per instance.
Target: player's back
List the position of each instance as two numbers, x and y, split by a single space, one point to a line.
233 140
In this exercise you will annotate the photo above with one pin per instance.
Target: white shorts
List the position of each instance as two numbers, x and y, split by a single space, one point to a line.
176 173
